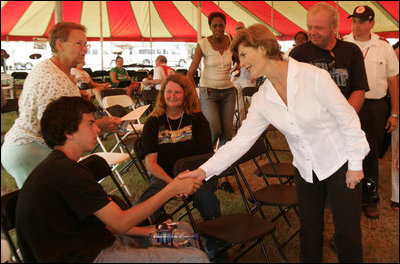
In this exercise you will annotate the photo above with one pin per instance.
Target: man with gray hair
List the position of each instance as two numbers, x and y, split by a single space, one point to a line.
343 60
161 72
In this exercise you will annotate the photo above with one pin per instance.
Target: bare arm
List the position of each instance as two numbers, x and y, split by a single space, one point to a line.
120 221
113 76
356 99
393 84
155 169
195 64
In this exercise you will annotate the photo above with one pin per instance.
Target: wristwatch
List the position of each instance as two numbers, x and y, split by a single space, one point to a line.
395 116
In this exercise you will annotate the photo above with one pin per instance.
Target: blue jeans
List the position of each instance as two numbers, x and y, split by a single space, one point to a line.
218 107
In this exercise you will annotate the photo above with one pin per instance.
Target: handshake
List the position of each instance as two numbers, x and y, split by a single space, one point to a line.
187 182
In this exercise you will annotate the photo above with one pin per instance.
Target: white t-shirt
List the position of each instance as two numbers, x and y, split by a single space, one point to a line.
380 63
45 83
80 76
216 67
159 74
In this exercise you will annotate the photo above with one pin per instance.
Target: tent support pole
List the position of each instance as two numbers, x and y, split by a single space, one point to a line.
198 21
101 35
58 13
151 35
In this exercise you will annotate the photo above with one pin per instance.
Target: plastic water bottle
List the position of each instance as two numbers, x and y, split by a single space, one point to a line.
173 238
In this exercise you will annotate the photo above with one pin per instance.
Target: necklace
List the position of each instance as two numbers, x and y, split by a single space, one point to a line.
174 133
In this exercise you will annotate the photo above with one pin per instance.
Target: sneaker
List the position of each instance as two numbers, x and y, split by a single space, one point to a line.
227 187
394 205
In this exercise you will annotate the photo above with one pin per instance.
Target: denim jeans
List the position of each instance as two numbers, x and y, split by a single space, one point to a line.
218 107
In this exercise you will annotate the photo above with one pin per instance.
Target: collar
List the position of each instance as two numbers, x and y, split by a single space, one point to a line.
374 41
291 83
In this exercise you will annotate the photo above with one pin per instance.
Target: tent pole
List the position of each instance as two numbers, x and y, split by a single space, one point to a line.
198 21
101 35
337 30
151 35
272 15
58 14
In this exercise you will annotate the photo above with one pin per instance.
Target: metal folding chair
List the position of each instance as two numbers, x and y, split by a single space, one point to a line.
232 229
8 210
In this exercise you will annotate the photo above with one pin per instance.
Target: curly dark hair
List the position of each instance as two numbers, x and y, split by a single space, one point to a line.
63 116
301 33
213 15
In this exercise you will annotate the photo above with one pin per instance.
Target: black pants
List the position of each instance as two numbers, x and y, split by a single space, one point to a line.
346 210
373 117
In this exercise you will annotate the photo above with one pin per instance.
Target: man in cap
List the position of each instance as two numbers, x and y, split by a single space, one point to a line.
341 59
376 115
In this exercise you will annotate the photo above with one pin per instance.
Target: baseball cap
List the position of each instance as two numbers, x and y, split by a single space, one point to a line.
363 13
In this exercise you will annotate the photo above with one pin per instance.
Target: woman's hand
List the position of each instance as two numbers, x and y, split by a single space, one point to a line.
197 174
353 178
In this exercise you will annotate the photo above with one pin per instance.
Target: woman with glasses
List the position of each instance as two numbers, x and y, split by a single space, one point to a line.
323 132
217 92
24 147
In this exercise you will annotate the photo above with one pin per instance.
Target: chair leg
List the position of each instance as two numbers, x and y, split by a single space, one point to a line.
120 190
121 181
279 247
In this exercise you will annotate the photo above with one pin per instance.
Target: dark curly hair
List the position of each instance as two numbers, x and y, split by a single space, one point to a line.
213 15
63 116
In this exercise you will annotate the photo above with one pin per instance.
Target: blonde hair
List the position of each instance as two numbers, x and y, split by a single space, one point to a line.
333 13
191 102
61 31
256 36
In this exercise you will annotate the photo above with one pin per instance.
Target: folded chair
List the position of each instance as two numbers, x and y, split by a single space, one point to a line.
281 195
275 169
232 229
101 169
8 210
126 137
248 92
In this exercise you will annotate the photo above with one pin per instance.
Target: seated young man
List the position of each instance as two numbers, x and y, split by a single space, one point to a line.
64 215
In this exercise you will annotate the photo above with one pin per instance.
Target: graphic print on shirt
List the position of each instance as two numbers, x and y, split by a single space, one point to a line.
165 135
339 76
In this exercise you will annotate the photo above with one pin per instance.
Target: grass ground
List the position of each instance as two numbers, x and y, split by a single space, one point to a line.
380 237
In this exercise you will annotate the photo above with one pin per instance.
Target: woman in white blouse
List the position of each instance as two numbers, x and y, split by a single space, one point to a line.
24 147
324 135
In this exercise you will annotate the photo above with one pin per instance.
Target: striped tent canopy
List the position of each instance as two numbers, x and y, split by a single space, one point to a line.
177 20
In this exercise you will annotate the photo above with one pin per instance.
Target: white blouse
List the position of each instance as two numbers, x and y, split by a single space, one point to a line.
323 131
216 68
45 83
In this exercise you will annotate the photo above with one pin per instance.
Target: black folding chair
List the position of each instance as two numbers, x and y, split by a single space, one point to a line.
100 170
281 195
232 229
8 210
248 92
10 106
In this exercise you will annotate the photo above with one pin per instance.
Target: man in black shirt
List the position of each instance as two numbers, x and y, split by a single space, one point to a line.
64 215
343 60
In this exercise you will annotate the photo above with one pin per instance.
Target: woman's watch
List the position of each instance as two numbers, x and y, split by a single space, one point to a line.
395 116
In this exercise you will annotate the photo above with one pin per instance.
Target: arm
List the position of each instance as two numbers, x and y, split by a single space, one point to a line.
195 64
125 221
355 140
109 124
155 169
356 99
393 84
113 76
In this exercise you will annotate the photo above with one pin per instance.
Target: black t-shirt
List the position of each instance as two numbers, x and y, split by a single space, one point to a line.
192 138
54 219
346 68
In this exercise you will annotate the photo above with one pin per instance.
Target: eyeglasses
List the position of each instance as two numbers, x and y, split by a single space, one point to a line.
79 45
